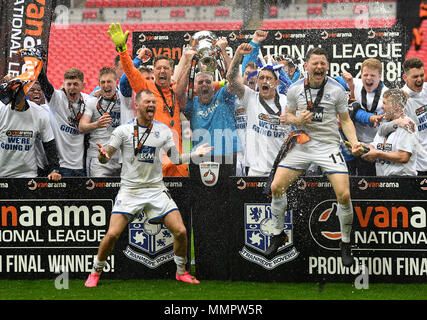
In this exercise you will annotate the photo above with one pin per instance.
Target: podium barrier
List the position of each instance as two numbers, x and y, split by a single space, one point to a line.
389 232
51 227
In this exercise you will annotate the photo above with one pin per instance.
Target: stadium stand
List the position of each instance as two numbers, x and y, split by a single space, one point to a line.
422 52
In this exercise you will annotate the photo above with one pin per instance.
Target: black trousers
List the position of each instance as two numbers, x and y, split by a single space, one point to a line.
360 167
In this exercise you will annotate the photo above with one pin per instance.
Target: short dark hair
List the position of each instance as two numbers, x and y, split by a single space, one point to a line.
412 63
74 73
251 65
138 95
163 57
269 70
145 69
317 51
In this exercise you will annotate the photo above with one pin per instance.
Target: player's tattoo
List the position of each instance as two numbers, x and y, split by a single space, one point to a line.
236 81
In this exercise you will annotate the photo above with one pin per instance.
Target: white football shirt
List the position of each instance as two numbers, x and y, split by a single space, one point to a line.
95 109
18 132
333 102
143 170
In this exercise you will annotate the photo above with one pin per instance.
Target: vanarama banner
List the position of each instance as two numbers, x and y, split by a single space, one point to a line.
24 24
44 231
388 234
347 48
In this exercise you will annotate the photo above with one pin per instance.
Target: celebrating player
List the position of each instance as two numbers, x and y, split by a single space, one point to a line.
313 106
142 187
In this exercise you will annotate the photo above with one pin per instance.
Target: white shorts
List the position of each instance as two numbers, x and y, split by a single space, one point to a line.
94 168
155 202
328 157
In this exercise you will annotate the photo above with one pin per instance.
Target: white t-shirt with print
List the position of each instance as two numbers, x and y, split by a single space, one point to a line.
70 142
365 132
416 109
264 133
402 140
18 132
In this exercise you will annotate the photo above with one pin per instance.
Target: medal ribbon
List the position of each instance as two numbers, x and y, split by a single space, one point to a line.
308 97
376 98
172 108
113 101
137 144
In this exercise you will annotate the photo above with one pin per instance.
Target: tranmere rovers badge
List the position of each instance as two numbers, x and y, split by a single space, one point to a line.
258 233
209 173
149 244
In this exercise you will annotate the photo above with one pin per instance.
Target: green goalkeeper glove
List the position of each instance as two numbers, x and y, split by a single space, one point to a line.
119 38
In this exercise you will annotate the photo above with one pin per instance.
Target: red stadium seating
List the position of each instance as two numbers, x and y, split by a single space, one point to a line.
149 3
271 24
222 12
90 15
177 13
89 48
273 11
314 10
134 14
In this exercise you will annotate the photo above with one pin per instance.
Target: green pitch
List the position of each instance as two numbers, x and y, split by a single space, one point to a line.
206 290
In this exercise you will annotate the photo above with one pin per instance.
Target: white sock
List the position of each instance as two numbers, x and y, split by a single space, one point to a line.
180 264
345 215
98 265
278 209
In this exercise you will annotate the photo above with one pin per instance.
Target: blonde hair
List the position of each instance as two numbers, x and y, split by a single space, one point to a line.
372 63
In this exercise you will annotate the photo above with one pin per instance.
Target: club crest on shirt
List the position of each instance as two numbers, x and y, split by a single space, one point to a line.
149 244
209 173
258 233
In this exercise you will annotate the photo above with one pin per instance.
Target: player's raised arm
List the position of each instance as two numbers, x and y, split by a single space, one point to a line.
233 74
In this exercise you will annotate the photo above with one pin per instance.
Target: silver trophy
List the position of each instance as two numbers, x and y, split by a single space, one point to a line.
207 59
204 42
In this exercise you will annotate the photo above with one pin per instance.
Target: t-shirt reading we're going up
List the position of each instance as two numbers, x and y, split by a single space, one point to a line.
398 140
70 142
264 133
18 133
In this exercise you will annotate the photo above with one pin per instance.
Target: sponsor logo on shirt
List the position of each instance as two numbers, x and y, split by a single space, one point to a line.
147 154
419 111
